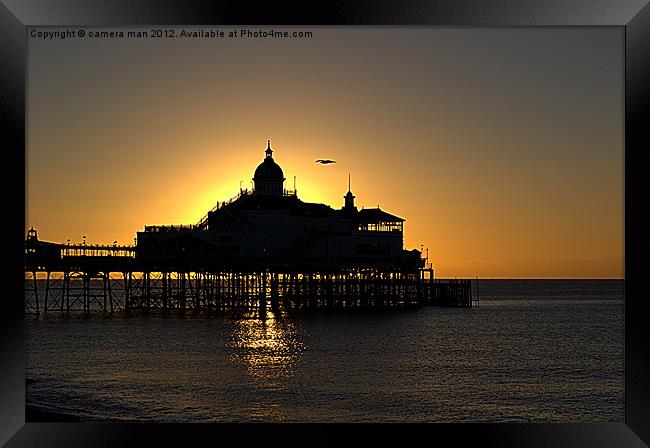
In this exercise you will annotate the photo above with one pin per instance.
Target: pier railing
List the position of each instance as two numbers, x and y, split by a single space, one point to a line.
204 221
96 250
245 192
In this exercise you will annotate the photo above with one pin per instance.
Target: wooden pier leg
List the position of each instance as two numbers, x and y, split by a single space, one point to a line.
36 293
66 292
295 290
290 291
363 289
344 288
218 291
348 288
182 291
244 293
165 291
311 294
304 290
110 292
226 289
205 297
197 288
297 295
86 292
247 291
205 291
288 295
282 289
147 292
215 290
47 292
262 295
274 292
329 289
299 288
105 287
231 289
236 297
127 291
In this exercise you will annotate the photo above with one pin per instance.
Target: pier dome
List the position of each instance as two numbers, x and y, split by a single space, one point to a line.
268 177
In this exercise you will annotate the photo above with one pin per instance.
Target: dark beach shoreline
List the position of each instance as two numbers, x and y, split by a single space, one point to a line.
35 414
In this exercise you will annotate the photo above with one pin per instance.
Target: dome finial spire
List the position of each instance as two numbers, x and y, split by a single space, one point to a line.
269 151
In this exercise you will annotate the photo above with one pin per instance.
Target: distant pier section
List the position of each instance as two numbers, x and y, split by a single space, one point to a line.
263 248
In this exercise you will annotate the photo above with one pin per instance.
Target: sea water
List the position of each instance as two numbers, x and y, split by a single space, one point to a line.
532 351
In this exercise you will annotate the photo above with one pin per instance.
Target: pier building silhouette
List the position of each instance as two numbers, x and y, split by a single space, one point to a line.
271 227
264 246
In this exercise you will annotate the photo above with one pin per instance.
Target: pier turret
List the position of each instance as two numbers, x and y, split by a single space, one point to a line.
32 235
349 207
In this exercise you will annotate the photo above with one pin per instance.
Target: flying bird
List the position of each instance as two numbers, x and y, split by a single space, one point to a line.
325 161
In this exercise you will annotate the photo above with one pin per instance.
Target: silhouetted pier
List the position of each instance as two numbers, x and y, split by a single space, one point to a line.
110 279
263 248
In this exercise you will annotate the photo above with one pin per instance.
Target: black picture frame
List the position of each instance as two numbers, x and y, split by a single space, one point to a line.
632 15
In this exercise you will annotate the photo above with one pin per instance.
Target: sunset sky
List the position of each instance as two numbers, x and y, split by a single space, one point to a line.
502 148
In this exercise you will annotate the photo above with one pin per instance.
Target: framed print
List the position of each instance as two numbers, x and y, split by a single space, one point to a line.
366 213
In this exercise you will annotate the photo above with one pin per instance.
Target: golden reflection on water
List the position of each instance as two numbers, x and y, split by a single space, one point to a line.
270 349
